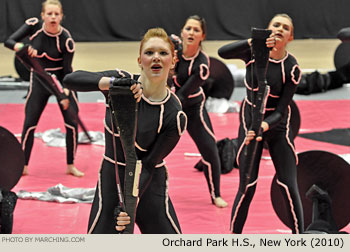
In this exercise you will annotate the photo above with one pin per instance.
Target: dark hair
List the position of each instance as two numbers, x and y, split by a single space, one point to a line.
201 21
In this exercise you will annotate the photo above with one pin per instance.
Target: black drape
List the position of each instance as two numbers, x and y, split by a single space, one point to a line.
127 20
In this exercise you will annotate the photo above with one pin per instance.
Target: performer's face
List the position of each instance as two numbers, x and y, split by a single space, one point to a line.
192 33
52 16
156 58
282 28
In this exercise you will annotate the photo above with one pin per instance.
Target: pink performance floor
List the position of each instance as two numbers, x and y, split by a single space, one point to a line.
187 186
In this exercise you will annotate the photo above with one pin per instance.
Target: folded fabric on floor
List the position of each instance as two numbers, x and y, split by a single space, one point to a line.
61 194
57 138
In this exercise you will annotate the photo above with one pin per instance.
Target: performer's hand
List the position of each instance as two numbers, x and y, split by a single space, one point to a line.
64 103
32 52
271 41
176 41
137 91
18 46
123 219
250 136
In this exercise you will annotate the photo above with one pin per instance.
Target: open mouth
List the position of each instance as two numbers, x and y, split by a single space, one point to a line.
190 39
156 67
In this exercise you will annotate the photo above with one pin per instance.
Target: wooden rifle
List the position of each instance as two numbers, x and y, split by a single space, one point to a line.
49 81
260 53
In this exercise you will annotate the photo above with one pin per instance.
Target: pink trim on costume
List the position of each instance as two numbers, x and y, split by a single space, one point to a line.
53 68
240 203
293 76
109 130
76 99
139 147
202 118
58 44
48 57
210 175
57 83
74 138
160 164
167 201
161 114
250 62
196 94
30 87
177 98
268 93
99 201
67 45
248 87
35 34
274 96
52 35
179 121
291 205
281 60
175 81
251 104
26 136
157 103
120 72
32 21
193 57
112 160
283 73
201 68
287 133
244 127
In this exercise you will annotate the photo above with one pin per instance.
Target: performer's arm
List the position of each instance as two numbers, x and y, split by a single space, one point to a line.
165 143
85 81
287 95
236 50
191 85
14 41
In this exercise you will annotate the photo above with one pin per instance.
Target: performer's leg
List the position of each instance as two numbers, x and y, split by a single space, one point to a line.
102 220
71 135
155 211
284 159
35 103
245 192
200 129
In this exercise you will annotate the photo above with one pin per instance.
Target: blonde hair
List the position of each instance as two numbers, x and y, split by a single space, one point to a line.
157 33
53 2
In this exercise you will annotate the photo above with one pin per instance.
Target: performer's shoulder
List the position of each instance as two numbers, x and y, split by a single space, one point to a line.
32 21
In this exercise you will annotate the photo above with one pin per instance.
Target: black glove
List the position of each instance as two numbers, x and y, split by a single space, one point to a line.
176 41
124 82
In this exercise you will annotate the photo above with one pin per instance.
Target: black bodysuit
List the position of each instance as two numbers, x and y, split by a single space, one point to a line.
55 54
282 77
190 75
159 127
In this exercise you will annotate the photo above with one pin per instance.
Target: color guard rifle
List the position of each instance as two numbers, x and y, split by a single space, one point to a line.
49 81
123 107
260 53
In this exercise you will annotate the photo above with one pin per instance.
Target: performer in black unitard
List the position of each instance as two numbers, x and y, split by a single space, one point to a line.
192 69
161 122
283 76
53 46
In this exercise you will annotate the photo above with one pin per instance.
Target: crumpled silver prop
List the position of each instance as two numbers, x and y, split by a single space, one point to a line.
57 138
61 194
